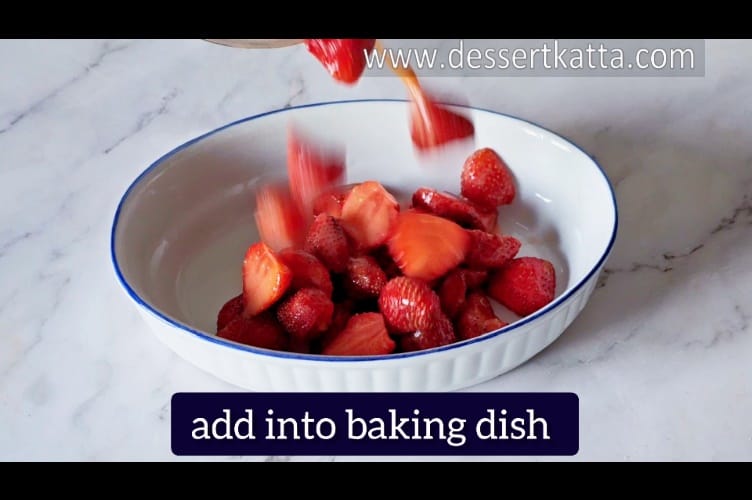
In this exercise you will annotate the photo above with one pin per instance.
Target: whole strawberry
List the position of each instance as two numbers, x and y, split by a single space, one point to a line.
487 180
306 314
327 241
524 285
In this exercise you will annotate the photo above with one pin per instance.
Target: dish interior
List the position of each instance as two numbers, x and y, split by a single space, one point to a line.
184 225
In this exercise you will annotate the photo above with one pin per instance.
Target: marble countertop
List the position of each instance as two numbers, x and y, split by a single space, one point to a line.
661 358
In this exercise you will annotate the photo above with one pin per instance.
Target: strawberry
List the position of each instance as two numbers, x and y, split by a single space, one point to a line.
524 285
265 279
306 314
326 240
307 271
408 304
474 278
490 251
452 293
343 58
451 207
368 214
440 333
426 246
477 317
331 201
364 278
432 125
258 331
311 171
487 180
280 223
364 335
232 309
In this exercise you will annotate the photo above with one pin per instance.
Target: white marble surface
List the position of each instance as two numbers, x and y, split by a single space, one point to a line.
661 358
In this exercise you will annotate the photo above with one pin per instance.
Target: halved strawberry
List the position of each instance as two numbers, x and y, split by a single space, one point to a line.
364 335
368 214
311 170
306 314
432 125
474 278
265 279
258 331
408 304
364 278
331 201
452 293
440 333
326 240
524 285
280 223
477 317
487 180
426 246
307 271
230 310
343 58
454 208
490 251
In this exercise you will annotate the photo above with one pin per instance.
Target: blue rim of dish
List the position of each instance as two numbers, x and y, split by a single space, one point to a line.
320 357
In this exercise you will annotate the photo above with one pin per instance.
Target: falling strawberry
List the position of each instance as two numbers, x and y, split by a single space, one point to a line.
368 214
487 180
258 331
343 58
311 170
364 335
408 304
426 246
279 222
524 285
265 279
432 125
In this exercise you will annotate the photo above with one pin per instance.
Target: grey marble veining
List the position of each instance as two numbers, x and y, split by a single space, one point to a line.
660 357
